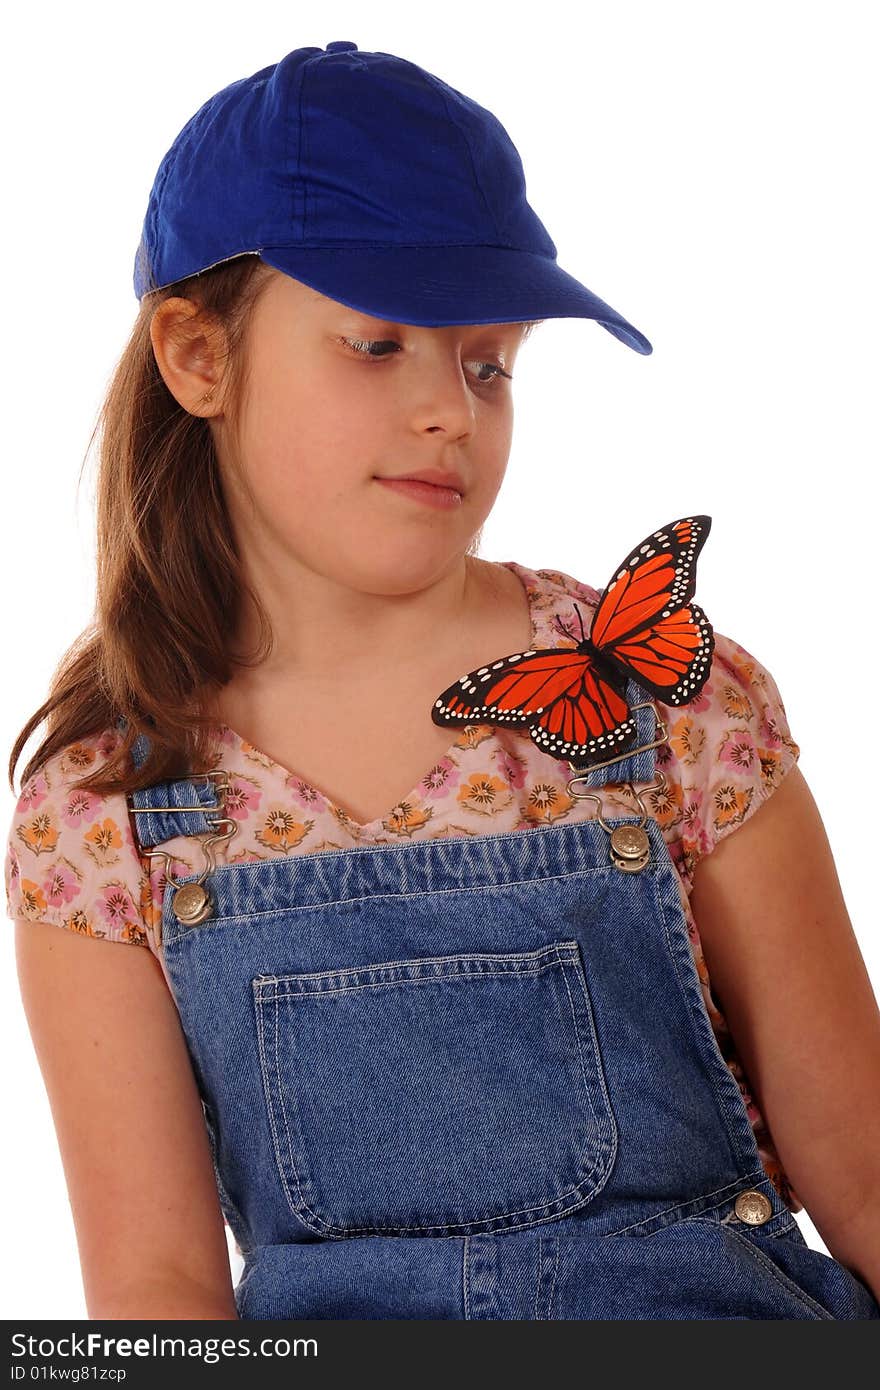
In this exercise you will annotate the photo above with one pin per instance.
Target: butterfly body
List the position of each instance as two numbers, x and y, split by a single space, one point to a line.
572 698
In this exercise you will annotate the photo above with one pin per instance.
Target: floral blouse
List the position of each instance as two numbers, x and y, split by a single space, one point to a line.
72 859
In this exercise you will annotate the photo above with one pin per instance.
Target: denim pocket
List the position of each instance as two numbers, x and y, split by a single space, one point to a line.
438 1096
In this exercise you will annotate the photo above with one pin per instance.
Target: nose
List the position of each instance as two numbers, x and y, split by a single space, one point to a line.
444 397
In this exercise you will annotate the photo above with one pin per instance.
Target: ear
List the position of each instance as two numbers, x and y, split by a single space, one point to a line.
190 348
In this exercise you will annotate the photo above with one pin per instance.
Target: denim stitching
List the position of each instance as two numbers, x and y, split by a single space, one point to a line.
538 968
546 1262
783 1279
667 1211
282 1174
230 1209
270 1107
451 1229
577 1039
786 1228
547 1209
448 1226
696 1013
264 1072
247 917
555 1273
580 976
602 1143
294 1168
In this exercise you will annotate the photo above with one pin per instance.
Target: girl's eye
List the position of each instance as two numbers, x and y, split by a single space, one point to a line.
367 348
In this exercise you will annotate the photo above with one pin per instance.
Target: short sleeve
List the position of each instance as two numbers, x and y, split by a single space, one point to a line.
727 751
71 858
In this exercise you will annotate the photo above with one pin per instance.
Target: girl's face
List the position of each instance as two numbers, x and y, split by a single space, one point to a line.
335 400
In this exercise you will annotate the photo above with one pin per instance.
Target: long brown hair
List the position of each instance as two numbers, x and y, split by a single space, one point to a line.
169 586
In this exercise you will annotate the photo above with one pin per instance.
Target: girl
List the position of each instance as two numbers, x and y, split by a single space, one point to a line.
423 1016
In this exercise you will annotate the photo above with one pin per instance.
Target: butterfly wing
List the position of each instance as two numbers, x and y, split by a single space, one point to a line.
588 719
646 622
572 705
646 627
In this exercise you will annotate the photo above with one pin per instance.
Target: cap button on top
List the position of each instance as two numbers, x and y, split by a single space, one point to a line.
340 46
753 1208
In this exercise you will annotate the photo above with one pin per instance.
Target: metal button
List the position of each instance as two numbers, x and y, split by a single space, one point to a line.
191 904
753 1208
630 848
629 841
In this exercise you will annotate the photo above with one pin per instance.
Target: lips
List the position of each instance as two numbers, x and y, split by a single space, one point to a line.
434 476
430 494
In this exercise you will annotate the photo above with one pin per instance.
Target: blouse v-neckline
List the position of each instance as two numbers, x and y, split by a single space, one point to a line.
527 579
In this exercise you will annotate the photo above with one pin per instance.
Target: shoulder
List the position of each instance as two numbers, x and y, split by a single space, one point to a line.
554 595
71 858
548 584
726 751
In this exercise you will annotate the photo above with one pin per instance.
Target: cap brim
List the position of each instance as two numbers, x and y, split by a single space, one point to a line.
433 286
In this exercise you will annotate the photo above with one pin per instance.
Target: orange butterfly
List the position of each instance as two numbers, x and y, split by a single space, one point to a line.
645 628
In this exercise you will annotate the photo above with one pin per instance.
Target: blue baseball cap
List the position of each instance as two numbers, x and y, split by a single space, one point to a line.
373 182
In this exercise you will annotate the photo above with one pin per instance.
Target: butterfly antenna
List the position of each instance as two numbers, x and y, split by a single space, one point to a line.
581 621
560 626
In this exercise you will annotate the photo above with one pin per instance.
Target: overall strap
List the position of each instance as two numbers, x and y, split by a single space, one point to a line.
630 845
638 764
182 806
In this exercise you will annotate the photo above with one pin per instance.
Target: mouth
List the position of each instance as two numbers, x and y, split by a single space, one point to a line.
443 495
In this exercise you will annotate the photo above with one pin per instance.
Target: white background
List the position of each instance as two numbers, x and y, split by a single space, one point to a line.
709 171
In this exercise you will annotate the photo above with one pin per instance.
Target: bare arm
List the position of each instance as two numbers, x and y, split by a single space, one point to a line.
788 974
130 1126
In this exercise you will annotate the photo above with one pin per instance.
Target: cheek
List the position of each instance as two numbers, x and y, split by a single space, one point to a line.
492 458
300 452
294 487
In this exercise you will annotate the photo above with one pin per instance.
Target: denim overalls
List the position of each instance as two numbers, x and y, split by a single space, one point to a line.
474 1077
